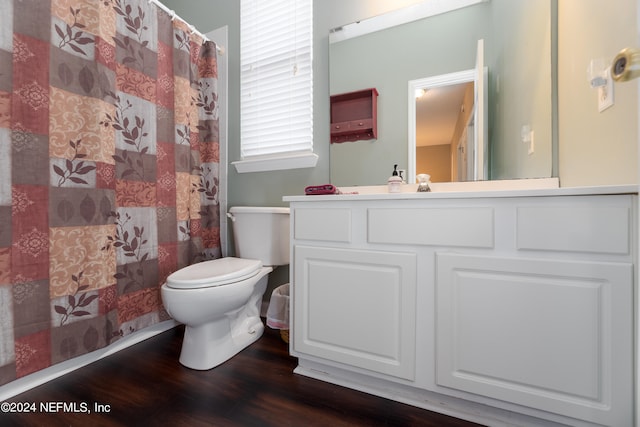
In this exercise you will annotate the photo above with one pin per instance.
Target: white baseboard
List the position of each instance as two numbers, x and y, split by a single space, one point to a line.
38 378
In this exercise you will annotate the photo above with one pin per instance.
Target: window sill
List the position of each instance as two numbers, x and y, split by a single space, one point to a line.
278 162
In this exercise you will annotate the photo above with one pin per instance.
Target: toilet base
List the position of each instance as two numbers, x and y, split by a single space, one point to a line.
206 346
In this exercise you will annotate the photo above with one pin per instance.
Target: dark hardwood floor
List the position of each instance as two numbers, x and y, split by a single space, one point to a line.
145 385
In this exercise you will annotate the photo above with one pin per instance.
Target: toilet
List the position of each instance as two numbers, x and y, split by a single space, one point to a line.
219 301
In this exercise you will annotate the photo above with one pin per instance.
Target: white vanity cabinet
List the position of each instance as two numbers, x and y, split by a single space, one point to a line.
509 307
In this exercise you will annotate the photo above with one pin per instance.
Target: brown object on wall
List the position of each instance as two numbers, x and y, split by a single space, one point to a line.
354 116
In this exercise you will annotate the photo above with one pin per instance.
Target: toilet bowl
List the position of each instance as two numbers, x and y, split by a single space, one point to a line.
219 300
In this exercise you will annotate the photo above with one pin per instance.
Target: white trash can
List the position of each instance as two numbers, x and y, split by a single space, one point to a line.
278 311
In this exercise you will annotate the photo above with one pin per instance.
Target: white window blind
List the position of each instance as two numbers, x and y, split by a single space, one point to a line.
276 81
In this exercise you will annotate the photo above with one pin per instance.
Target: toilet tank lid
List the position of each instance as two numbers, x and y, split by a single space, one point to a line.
258 209
215 272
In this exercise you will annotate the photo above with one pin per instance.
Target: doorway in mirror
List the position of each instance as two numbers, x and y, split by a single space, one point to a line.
445 132
448 125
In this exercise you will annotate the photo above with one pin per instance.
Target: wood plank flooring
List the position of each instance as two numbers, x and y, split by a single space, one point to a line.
145 385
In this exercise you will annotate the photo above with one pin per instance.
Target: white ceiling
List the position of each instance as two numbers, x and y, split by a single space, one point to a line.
437 113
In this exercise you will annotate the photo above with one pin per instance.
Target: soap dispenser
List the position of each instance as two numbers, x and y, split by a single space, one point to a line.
395 182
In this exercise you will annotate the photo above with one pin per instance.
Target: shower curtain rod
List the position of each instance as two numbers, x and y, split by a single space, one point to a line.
193 29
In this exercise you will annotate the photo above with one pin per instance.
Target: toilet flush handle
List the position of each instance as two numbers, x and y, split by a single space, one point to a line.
231 217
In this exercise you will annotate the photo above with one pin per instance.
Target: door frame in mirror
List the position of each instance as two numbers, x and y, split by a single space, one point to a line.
459 77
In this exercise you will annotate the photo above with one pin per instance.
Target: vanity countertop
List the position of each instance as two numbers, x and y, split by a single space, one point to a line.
468 190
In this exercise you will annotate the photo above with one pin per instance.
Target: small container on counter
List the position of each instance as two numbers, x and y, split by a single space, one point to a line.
394 183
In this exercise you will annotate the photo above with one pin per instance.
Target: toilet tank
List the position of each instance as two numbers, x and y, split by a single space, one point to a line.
261 233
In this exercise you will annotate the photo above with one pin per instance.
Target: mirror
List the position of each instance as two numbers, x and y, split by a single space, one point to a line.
518 52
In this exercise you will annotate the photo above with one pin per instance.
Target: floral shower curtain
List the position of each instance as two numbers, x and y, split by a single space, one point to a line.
108 172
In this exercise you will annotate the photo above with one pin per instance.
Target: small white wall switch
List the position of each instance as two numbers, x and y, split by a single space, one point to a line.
606 92
527 137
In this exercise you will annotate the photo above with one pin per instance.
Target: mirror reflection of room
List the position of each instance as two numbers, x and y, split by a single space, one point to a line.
519 47
444 132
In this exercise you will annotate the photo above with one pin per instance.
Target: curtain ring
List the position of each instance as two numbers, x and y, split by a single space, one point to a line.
173 15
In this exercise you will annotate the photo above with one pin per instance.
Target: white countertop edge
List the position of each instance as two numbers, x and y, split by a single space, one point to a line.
409 193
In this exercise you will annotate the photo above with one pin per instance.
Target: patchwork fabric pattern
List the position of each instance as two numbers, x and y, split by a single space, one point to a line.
109 159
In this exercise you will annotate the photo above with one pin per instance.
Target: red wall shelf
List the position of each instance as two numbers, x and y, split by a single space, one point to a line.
354 116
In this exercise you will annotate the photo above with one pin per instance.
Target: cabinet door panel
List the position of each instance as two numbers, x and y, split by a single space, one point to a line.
552 335
356 307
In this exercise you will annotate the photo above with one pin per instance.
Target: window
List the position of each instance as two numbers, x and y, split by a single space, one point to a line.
276 85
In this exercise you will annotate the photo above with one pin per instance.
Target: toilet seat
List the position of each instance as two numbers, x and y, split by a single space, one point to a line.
217 272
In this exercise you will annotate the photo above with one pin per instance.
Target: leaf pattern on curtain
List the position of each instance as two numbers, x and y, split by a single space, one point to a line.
109 161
